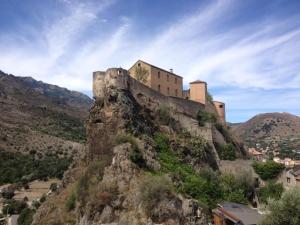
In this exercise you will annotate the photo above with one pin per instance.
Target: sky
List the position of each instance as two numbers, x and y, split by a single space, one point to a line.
248 51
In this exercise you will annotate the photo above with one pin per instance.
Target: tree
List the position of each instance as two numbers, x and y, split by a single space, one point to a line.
141 74
284 211
268 170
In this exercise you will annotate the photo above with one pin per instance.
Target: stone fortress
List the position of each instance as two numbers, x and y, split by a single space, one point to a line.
164 86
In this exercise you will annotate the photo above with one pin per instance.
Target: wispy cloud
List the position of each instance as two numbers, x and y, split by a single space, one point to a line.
247 64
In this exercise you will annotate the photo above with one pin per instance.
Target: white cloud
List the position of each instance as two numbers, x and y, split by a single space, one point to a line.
259 61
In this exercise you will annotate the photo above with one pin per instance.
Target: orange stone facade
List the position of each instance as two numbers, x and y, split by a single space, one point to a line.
171 84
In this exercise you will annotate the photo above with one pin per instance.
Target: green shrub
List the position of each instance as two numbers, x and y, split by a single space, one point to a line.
8 194
164 114
224 132
284 211
53 187
209 97
272 190
204 117
126 138
71 202
268 170
226 151
82 188
14 207
154 189
136 157
26 217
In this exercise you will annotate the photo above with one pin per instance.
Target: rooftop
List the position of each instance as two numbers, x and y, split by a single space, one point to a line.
239 213
156 68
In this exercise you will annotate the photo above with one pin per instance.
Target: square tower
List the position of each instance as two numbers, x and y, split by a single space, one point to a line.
198 91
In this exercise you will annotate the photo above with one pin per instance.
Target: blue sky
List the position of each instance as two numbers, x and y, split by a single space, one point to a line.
247 50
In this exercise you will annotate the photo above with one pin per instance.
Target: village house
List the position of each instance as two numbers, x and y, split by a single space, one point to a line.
229 213
256 155
292 178
170 84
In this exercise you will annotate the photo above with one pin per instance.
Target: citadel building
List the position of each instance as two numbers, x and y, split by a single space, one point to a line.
171 84
166 83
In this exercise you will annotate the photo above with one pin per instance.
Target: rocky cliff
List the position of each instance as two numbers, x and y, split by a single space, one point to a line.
145 160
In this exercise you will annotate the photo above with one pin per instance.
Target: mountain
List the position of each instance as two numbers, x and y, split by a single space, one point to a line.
37 117
273 132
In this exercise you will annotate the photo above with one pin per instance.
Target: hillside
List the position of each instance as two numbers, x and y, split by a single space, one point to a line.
40 118
272 132
150 161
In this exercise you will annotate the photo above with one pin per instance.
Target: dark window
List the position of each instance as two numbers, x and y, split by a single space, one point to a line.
158 88
139 64
175 80
158 74
168 77
288 180
168 90
221 106
176 92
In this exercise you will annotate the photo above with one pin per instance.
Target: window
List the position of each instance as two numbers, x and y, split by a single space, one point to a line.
139 64
158 74
288 180
168 90
168 77
175 80
220 106
176 92
158 88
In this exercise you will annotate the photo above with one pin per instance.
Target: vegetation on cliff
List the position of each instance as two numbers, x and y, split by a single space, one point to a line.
207 186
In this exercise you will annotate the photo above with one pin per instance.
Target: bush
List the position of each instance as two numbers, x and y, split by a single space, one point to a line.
71 202
14 207
272 190
126 138
284 211
204 117
154 189
36 204
53 187
26 217
136 157
43 198
164 114
82 188
226 151
8 194
224 132
268 170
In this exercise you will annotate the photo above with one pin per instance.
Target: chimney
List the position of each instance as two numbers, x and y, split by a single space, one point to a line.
171 70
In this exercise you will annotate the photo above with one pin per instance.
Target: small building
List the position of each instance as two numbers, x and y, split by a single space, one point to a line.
293 177
229 213
163 81
256 155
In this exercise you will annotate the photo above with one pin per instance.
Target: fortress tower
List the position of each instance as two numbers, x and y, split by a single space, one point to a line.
220 108
198 91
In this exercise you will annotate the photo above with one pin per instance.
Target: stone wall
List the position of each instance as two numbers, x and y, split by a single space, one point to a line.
119 78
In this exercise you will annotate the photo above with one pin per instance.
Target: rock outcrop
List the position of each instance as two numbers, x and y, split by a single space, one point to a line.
135 136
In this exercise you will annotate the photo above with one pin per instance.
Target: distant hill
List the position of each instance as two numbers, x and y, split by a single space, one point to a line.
40 117
275 131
